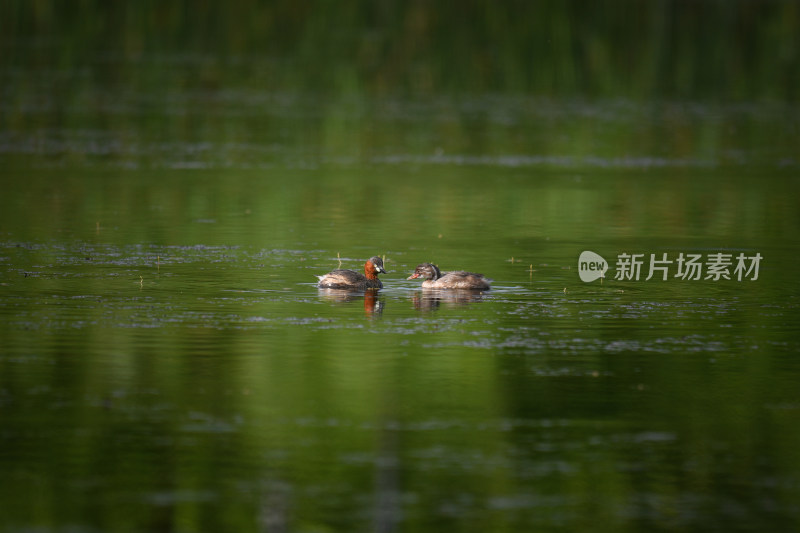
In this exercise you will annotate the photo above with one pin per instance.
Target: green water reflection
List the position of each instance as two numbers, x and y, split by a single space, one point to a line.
174 368
174 177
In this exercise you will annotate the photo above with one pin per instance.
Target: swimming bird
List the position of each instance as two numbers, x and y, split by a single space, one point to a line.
350 279
434 279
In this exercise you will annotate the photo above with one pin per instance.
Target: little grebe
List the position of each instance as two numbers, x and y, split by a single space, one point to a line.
350 279
434 279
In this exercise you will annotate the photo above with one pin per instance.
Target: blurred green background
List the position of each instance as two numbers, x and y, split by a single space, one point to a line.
732 49
251 84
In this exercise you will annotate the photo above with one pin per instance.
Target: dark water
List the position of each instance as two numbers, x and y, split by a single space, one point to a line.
167 363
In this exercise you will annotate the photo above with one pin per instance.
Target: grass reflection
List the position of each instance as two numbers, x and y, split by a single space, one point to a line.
630 49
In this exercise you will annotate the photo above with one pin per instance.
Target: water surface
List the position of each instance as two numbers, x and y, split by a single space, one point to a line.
167 357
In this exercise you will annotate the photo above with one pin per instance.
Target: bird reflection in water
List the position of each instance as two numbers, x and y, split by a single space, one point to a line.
373 306
430 299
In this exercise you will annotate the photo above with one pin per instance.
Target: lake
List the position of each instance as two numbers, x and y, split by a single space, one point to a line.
167 362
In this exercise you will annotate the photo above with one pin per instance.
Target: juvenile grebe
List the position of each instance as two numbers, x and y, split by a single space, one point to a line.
434 279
